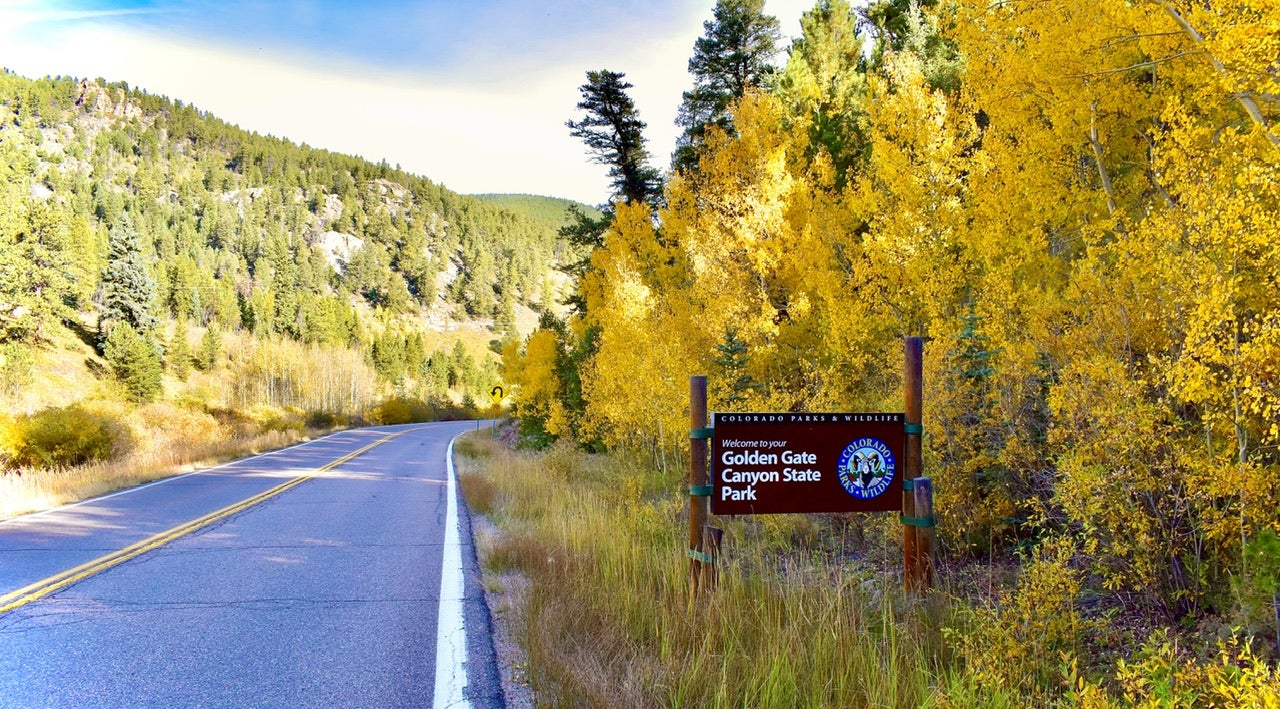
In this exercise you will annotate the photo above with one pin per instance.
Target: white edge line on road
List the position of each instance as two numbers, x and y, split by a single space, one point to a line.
202 471
451 631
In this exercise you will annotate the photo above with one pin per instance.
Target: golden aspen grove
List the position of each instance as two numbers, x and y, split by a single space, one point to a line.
1077 204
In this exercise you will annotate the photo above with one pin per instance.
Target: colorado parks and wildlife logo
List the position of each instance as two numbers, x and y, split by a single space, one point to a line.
866 468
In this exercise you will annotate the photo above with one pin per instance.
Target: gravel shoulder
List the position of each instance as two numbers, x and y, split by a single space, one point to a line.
505 593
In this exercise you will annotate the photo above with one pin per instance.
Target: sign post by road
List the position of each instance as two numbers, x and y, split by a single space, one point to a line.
784 463
496 395
700 559
769 463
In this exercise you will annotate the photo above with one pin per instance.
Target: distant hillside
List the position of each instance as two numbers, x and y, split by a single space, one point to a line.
265 239
550 211
211 192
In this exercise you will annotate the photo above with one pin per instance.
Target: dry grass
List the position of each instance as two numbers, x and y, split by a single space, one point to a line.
168 440
609 620
809 610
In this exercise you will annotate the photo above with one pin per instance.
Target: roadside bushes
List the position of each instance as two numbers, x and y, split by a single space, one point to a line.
266 418
401 409
61 437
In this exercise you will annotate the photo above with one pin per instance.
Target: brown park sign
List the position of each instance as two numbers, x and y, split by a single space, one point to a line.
766 463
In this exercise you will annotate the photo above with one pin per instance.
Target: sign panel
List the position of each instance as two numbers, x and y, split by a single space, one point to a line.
766 463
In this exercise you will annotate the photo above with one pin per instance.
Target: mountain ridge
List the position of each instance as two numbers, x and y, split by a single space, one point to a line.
238 229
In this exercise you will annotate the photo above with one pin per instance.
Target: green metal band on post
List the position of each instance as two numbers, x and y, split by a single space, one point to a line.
700 490
700 433
908 485
913 429
917 521
701 556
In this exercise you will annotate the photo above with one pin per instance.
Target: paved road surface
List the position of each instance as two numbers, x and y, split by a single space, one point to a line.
326 594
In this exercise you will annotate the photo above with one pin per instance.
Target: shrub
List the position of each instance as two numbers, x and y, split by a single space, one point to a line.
391 411
1161 675
166 425
326 419
61 437
272 418
399 409
1016 647
1257 587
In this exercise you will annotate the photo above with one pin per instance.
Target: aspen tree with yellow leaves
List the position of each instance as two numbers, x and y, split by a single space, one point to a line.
1077 204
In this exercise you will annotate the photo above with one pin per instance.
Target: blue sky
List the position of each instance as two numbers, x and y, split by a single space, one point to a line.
473 95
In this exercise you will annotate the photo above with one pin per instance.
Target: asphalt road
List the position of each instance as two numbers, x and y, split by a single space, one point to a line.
328 593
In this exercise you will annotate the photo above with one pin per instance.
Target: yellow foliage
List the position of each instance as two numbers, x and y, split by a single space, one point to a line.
1085 233
1159 676
62 437
1015 647
532 375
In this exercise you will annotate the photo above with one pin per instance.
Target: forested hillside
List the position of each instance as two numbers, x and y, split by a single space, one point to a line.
1076 205
548 211
236 204
151 251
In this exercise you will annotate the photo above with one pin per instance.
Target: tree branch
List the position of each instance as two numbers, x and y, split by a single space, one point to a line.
1097 158
1139 65
1246 101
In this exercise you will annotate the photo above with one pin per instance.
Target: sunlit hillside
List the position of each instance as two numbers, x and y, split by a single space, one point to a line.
154 253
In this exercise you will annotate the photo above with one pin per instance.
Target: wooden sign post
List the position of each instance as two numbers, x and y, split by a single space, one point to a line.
913 393
790 462
700 559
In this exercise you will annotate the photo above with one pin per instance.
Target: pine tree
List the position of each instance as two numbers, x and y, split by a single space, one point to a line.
902 25
733 56
178 353
128 288
735 382
614 135
135 361
824 84
210 348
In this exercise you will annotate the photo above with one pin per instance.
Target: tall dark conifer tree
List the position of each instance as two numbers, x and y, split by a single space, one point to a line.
732 56
128 290
614 135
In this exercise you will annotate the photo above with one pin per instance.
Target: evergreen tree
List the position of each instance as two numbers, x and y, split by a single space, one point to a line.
135 361
614 135
178 353
584 232
210 348
38 273
731 57
902 25
735 382
128 290
824 84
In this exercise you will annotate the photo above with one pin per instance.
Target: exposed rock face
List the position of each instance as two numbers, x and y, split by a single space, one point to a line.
338 248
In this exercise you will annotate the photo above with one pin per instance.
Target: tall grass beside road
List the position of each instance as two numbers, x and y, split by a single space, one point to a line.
156 441
609 620
809 611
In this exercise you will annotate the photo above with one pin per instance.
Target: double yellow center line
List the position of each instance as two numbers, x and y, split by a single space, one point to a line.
57 582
